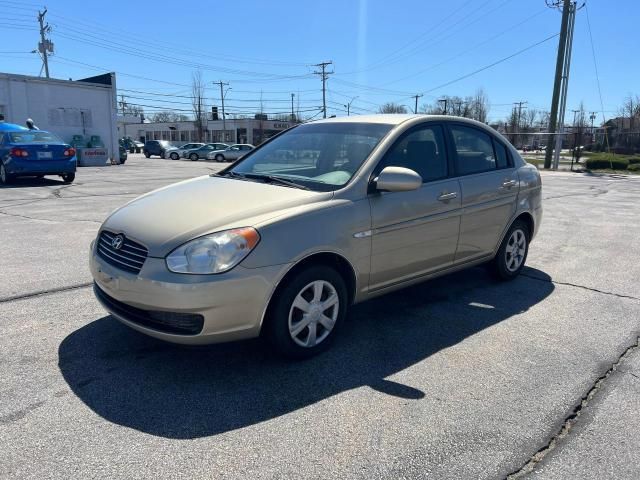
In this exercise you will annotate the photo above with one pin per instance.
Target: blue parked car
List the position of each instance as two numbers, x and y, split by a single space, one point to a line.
34 153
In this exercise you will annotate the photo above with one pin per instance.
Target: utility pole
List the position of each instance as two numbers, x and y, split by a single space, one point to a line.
324 75
224 118
518 121
293 117
445 100
417 96
592 117
45 46
560 61
124 120
565 82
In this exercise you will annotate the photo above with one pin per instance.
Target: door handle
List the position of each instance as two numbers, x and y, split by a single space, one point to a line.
445 197
509 183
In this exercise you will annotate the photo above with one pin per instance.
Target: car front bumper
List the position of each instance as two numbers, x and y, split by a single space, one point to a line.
231 305
17 167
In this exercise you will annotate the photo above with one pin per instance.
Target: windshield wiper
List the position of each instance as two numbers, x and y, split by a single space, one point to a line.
273 179
229 174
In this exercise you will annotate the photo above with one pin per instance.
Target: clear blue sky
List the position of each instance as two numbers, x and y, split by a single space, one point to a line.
382 50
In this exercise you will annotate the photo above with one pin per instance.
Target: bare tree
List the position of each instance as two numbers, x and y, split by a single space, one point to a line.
391 107
198 104
168 116
480 106
631 109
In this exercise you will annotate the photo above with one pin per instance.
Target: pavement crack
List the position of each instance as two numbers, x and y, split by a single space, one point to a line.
572 418
591 289
27 217
40 293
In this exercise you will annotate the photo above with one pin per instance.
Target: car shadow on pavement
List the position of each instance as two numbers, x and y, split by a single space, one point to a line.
190 392
23 182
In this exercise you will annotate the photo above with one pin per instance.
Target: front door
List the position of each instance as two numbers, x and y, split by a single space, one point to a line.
415 233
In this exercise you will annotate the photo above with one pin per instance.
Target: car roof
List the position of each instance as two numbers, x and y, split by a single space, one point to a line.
11 127
396 119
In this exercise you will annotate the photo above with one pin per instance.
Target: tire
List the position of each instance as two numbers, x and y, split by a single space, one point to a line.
219 158
174 156
5 177
147 154
284 316
512 254
68 177
193 157
162 154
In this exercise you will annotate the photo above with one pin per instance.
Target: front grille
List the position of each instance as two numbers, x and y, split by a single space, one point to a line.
129 257
167 322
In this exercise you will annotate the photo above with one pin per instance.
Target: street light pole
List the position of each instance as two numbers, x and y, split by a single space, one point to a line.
348 106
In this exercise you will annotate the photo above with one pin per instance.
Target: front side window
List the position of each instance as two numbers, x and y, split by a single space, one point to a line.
321 156
474 150
421 150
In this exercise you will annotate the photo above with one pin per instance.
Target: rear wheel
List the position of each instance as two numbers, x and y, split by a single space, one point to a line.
68 177
512 254
306 313
193 157
174 156
147 154
5 177
219 158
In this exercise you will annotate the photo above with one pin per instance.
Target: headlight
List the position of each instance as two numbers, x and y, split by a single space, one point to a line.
215 253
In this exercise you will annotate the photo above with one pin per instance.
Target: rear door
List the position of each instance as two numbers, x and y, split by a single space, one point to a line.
415 233
489 185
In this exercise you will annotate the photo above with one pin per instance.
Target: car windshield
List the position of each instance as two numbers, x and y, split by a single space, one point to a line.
34 136
322 156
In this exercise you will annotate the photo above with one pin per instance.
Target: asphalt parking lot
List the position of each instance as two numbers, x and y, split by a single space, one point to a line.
460 377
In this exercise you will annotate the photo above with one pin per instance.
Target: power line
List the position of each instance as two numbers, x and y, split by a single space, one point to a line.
595 65
486 67
462 53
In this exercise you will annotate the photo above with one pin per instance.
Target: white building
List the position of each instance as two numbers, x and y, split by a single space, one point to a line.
84 107
244 130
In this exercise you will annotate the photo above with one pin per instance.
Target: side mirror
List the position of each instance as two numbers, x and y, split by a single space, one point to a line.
397 179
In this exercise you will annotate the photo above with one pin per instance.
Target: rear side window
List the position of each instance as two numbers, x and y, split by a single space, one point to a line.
421 150
474 150
501 155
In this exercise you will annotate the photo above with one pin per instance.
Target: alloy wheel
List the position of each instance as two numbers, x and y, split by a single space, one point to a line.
516 249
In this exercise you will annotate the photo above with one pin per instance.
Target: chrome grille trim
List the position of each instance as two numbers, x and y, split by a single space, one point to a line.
130 257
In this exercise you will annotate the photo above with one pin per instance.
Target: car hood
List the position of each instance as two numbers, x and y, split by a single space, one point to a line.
166 218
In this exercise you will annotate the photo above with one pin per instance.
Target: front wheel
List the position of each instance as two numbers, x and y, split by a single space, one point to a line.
147 154
512 254
174 156
193 157
5 177
219 158
68 177
306 313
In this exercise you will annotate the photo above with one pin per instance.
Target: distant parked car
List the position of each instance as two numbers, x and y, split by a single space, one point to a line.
204 150
133 146
34 153
156 147
123 151
234 152
175 152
